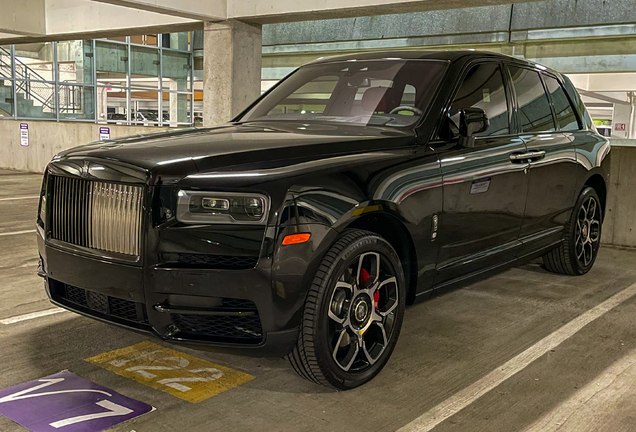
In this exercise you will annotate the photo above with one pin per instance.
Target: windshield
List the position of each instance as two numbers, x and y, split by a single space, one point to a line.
375 92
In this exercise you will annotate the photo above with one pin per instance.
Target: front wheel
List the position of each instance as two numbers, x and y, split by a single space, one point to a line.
353 313
577 254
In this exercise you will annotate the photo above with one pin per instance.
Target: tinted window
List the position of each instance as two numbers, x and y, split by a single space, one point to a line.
534 109
483 88
564 112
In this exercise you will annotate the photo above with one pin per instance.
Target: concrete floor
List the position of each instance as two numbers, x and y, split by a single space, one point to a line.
586 383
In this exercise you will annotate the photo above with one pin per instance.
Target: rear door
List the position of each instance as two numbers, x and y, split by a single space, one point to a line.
552 171
484 191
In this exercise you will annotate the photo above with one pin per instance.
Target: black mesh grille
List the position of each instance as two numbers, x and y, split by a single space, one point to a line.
221 262
120 308
76 295
244 328
97 302
123 308
238 304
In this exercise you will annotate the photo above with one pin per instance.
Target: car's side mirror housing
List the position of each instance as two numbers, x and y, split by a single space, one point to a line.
471 121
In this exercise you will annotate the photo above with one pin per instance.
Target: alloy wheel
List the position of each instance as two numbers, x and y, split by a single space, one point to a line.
362 312
588 228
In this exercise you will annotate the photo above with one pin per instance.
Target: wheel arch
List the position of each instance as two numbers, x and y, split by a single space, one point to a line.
393 230
597 182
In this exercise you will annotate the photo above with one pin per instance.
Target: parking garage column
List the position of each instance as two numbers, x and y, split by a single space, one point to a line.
231 69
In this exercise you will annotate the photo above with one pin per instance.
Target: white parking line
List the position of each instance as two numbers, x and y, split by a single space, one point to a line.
470 394
610 380
30 316
20 198
16 233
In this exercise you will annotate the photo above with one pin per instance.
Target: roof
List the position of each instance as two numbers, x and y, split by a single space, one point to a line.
451 56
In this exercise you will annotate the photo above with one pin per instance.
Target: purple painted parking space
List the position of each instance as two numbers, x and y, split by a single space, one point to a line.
65 402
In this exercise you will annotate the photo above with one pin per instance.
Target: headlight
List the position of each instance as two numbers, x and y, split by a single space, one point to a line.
222 207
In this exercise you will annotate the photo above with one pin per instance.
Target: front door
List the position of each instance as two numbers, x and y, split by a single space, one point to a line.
484 188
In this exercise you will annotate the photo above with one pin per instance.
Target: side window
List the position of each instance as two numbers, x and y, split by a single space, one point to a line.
535 114
564 112
483 87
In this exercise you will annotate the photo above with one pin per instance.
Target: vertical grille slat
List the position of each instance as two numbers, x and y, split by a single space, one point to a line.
97 215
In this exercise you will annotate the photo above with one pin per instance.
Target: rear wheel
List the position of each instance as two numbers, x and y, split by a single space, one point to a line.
577 254
353 313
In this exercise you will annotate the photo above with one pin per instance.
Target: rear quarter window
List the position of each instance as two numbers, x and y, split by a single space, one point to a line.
566 118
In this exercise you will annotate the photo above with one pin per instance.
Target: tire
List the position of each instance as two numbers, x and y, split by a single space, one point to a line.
573 257
328 352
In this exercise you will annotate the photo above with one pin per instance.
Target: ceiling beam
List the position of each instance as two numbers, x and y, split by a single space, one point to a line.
203 10
23 17
276 11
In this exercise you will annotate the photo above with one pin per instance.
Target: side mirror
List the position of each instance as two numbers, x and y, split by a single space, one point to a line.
471 121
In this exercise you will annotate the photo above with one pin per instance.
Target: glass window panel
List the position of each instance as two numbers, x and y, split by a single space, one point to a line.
75 61
35 99
534 112
144 67
144 107
483 88
117 38
76 101
35 62
111 105
6 98
151 39
6 63
562 107
175 107
176 71
180 41
112 64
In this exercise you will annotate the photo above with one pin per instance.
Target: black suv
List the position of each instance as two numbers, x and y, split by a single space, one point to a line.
356 185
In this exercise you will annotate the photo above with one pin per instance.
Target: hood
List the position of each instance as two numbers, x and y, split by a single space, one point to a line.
184 151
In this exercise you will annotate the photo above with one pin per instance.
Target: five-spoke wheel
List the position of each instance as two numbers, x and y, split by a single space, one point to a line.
582 237
362 312
353 314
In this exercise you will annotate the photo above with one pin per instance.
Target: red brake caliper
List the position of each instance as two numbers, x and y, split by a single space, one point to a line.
364 278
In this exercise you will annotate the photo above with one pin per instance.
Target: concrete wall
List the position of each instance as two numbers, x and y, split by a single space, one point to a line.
49 138
619 228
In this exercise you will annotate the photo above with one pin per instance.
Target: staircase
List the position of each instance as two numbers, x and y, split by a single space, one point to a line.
32 99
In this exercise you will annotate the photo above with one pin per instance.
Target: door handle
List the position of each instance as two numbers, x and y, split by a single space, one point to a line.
530 156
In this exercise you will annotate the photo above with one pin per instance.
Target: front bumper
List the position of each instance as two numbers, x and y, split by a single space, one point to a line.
178 305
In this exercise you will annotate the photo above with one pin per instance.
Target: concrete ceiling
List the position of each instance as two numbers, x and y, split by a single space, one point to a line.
41 20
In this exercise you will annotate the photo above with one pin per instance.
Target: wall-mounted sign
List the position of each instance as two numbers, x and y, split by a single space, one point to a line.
619 127
24 134
104 133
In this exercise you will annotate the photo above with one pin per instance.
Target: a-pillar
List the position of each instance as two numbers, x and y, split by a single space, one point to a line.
231 69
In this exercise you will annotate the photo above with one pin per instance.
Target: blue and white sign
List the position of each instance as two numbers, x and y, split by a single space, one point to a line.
65 402
24 134
104 133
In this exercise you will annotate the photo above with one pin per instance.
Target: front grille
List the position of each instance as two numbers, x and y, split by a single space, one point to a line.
97 215
116 307
220 262
223 328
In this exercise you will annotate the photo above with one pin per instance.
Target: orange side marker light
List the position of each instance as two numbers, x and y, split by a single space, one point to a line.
296 238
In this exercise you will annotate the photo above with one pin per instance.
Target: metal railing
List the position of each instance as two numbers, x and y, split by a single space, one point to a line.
34 86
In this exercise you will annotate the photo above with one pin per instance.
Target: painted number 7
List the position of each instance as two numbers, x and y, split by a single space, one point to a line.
114 410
